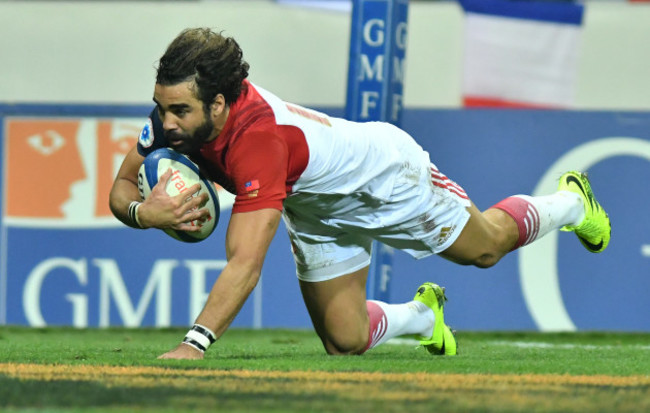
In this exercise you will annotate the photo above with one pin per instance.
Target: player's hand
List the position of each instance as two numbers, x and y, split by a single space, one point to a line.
183 352
162 211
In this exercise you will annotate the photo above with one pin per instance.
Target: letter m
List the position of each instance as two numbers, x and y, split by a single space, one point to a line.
112 285
374 71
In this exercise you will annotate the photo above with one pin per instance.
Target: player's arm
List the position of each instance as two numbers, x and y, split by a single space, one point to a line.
159 210
247 241
125 187
259 169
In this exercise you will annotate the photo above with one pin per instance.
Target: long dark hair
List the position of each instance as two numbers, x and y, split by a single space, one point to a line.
212 61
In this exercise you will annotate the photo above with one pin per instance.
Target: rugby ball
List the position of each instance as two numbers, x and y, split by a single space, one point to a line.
185 174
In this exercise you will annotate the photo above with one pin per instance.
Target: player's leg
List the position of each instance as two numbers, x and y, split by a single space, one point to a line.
484 240
349 324
513 222
332 267
337 308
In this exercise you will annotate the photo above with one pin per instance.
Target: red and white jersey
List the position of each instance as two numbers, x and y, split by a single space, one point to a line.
269 150
339 184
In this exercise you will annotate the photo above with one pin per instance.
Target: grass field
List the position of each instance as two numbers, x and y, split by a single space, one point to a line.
66 370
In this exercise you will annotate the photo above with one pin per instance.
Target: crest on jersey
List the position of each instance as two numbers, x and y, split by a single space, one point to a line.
146 135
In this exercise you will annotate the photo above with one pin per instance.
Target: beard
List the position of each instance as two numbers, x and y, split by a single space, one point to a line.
190 143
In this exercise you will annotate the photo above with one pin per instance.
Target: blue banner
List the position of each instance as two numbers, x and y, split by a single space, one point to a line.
553 284
65 261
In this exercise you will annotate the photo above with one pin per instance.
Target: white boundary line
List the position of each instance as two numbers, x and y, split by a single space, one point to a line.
537 345
567 346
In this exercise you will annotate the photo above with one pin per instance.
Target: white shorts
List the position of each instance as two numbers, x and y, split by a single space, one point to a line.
331 234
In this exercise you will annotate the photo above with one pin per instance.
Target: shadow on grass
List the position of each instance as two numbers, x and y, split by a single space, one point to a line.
82 395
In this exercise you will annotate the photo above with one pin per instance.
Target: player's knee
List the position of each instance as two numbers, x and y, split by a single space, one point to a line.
339 346
492 250
486 260
480 259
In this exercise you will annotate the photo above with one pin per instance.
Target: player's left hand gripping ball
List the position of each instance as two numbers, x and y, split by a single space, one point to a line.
185 173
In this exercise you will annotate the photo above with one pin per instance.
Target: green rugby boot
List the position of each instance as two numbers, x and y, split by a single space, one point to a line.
442 340
595 229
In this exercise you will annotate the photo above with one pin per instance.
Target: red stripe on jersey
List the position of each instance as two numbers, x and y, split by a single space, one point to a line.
441 181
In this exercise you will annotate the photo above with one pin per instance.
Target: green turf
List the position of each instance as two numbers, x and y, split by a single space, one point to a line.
561 353
589 354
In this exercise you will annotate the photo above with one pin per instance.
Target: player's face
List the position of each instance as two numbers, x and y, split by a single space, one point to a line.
185 123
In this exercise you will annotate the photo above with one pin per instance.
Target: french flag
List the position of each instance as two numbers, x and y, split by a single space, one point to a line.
521 54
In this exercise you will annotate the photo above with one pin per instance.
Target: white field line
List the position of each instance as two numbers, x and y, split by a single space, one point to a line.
568 346
537 345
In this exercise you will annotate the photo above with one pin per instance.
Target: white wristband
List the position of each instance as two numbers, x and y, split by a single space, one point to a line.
200 337
133 213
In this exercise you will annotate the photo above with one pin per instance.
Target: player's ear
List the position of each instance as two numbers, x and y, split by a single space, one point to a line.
218 105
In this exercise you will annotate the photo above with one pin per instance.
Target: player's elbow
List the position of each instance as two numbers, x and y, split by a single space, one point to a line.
119 196
112 204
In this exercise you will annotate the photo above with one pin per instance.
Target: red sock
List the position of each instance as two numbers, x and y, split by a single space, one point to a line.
525 215
378 324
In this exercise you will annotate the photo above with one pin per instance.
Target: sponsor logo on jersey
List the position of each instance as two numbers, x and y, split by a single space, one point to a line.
146 135
445 233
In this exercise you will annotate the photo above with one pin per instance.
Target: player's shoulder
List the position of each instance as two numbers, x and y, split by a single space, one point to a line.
251 121
151 136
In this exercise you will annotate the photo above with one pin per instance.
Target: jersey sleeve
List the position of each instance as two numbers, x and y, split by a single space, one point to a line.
151 136
258 162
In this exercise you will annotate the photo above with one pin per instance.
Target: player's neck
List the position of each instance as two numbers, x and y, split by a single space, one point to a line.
219 123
